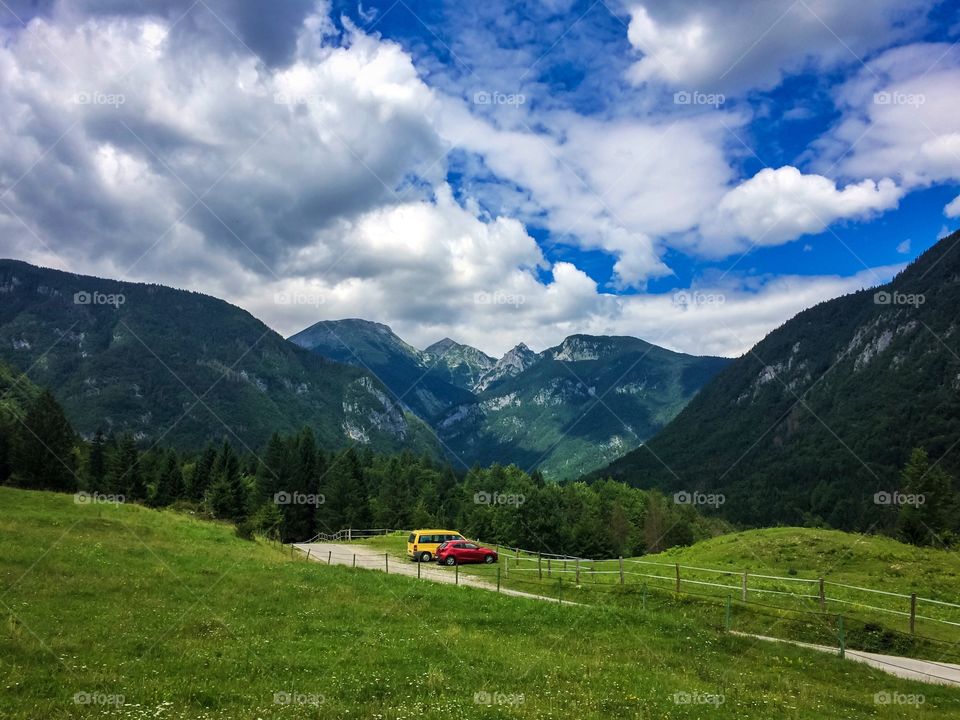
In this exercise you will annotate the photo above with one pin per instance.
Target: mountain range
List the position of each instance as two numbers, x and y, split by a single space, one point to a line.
823 412
183 368
566 410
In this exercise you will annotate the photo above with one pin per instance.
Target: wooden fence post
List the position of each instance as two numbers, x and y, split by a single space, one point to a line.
456 574
386 563
498 578
620 560
823 597
308 553
743 590
578 570
506 567
549 574
677 565
354 559
516 560
913 613
540 565
419 565
329 557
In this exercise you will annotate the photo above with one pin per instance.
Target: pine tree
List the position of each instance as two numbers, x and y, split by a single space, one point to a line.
97 463
42 452
203 473
927 511
227 494
126 475
169 486
300 506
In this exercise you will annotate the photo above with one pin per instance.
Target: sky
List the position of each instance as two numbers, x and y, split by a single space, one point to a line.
690 172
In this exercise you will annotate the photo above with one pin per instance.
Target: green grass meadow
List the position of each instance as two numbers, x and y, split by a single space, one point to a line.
126 612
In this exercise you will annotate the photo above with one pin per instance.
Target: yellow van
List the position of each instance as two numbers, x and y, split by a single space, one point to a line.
422 544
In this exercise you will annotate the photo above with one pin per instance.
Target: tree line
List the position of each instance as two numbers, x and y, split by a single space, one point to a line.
293 489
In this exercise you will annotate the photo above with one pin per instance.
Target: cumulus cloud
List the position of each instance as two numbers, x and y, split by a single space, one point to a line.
776 206
733 46
898 118
952 209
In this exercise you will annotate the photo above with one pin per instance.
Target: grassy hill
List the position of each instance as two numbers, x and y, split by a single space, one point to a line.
184 620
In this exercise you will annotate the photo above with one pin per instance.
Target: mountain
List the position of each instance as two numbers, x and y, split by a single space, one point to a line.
461 365
183 368
823 412
408 374
575 406
511 364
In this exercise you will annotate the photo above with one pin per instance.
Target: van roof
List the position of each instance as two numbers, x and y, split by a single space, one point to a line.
436 530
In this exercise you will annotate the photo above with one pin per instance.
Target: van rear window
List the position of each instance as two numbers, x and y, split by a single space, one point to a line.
412 538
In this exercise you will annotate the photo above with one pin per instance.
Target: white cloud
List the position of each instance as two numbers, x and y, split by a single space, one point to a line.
952 209
732 46
904 247
899 118
777 206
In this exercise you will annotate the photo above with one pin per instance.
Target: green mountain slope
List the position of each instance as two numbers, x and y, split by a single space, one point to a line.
462 365
182 367
823 412
413 380
579 405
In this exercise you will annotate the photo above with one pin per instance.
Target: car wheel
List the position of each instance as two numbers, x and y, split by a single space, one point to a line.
426 557
450 560
489 559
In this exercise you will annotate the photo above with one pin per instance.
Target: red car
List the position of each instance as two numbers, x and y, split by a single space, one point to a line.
460 552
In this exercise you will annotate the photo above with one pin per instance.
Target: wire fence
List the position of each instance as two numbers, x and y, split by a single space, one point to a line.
804 593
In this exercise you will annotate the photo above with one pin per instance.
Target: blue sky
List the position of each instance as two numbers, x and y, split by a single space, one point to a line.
494 172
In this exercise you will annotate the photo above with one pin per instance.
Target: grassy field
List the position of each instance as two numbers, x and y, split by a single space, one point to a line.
128 612
794 553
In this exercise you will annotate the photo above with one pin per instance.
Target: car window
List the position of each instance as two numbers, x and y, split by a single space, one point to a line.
412 538
468 546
